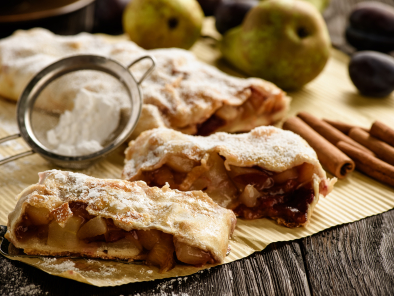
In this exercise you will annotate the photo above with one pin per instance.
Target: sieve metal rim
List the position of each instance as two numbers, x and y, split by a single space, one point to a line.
65 66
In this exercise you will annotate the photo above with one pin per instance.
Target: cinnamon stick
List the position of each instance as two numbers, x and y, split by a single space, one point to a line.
368 164
335 161
382 132
343 127
329 132
383 150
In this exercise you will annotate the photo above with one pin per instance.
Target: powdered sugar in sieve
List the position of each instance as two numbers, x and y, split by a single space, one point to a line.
79 109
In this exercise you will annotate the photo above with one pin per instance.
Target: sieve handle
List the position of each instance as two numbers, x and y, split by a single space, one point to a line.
9 138
16 156
148 71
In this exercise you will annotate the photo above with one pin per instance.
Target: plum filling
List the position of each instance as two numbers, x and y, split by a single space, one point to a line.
251 192
82 231
292 207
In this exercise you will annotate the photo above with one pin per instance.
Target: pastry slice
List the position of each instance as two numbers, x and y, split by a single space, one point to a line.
181 93
198 99
267 172
70 214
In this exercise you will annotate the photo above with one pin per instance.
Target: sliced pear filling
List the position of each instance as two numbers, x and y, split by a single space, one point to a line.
162 253
290 174
95 227
84 231
249 196
180 164
251 192
129 243
38 216
64 237
149 238
192 255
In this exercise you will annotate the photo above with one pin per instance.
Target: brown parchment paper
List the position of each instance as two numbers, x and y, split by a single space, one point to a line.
331 95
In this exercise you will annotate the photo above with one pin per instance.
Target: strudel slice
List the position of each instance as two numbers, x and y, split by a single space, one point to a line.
181 93
70 214
267 172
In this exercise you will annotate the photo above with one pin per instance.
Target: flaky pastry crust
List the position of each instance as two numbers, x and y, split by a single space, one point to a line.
269 151
192 218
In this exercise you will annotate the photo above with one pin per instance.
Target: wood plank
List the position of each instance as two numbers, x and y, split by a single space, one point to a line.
278 270
354 259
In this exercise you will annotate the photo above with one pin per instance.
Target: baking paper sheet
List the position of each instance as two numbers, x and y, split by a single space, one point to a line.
331 96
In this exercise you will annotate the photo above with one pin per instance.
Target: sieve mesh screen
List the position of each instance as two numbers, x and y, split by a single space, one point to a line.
80 112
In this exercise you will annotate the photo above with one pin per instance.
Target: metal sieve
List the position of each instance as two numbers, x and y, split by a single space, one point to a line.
38 109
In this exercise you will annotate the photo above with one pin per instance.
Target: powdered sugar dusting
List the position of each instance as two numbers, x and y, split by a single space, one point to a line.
15 282
268 147
134 205
61 178
181 76
83 267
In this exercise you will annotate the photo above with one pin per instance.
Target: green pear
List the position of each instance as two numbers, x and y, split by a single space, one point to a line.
319 4
230 48
163 23
283 41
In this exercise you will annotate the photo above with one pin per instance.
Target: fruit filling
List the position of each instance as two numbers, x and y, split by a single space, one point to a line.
82 231
247 115
251 192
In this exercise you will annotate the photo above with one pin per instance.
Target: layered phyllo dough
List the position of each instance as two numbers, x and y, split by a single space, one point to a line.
70 214
267 172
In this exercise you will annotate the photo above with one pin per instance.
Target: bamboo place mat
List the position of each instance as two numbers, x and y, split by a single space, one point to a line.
331 96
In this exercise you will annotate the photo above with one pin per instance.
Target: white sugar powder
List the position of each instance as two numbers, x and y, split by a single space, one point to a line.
84 129
59 266
15 282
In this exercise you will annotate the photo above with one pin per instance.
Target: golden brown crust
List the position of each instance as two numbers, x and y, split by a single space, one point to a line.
191 217
161 150
270 148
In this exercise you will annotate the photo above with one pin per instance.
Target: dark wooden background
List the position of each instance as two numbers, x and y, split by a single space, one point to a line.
353 259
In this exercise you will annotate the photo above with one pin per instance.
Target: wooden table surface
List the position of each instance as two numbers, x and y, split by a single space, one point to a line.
352 259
